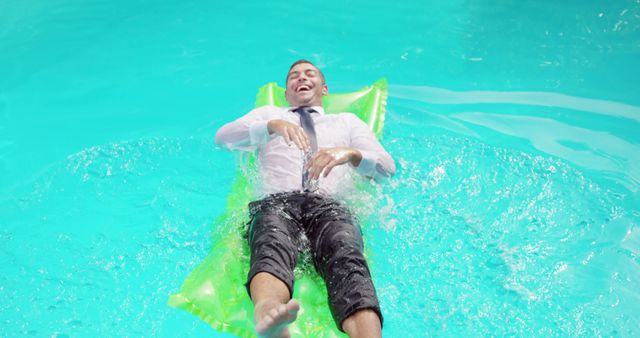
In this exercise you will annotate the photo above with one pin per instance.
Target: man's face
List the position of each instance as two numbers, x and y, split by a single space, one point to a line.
305 86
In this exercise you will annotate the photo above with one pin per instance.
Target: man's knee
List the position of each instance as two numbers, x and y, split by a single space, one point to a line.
341 239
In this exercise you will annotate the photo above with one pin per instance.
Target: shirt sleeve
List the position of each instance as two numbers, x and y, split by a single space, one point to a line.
248 132
376 162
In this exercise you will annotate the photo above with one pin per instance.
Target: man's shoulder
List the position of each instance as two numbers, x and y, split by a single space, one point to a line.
344 115
347 117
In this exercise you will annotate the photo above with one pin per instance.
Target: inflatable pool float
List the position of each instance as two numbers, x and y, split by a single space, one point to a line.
215 290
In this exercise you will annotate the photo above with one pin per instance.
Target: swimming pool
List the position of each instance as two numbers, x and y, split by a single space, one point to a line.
514 126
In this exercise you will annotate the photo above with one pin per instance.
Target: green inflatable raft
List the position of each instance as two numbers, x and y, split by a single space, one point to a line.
215 290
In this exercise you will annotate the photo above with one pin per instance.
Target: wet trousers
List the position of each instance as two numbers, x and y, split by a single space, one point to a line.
285 224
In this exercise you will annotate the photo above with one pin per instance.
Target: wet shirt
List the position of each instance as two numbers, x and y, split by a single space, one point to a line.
280 164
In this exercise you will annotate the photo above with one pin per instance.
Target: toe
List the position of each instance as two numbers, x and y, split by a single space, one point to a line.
282 310
273 313
264 324
293 307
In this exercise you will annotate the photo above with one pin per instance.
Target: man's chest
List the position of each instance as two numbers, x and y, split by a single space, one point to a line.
331 132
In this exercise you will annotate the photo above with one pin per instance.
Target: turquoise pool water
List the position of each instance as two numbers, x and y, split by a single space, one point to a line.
515 127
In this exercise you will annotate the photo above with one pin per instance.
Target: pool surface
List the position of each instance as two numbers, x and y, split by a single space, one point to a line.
514 126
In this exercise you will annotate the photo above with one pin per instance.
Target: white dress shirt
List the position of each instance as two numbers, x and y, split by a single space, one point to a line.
280 164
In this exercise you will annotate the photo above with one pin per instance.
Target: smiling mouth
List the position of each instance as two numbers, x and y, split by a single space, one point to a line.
303 88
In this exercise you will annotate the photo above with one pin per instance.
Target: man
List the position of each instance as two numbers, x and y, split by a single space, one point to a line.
306 158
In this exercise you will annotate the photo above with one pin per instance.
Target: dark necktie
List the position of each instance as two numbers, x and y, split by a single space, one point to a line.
307 124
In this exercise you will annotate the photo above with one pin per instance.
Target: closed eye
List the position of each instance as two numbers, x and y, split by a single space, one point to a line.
293 75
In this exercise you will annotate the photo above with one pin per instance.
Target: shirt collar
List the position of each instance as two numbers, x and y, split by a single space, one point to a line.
319 109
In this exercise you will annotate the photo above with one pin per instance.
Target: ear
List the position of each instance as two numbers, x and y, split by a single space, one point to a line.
325 89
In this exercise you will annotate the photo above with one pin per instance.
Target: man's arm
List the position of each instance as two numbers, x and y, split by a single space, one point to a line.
246 133
376 161
257 128
364 153
292 133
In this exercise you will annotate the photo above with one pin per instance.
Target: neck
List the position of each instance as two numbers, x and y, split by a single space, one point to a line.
310 104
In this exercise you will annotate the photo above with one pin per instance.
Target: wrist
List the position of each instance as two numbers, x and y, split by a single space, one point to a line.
270 126
356 157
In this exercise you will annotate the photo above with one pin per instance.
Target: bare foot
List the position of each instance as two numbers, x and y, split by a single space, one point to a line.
272 319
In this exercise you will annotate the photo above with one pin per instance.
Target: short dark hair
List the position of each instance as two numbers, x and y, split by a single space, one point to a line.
304 61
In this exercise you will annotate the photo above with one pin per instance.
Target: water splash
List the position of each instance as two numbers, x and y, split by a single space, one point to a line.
485 235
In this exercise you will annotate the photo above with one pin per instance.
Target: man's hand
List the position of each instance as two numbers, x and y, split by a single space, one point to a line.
326 158
291 133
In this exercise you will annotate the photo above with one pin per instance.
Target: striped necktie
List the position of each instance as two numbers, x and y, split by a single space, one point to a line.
307 125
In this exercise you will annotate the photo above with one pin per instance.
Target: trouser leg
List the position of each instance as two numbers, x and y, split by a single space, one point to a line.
273 241
338 256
